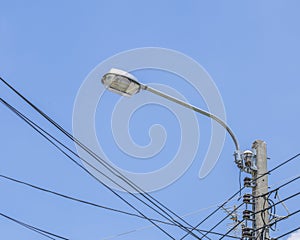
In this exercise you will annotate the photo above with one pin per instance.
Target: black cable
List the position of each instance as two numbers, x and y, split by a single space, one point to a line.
212 213
40 131
45 134
264 207
231 229
281 186
285 184
55 124
275 222
283 235
75 199
222 220
273 169
42 232
93 204
270 224
279 220
278 166
283 200
272 212
285 162
258 212
116 172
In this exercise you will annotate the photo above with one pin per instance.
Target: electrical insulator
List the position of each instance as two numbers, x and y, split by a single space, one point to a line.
248 158
248 163
247 214
247 232
247 182
247 198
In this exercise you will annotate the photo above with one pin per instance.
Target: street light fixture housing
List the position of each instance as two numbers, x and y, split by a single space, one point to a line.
121 82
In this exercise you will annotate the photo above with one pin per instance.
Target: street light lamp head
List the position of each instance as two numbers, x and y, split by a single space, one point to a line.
121 82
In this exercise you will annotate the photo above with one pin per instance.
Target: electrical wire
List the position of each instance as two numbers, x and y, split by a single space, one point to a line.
188 214
117 173
56 125
212 213
285 184
283 200
272 214
44 134
273 169
96 205
283 235
281 186
279 220
222 220
146 227
77 199
278 166
285 162
231 229
266 209
283 181
42 232
269 225
277 188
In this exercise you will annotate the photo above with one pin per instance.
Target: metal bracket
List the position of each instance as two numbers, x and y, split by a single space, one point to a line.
238 159
246 161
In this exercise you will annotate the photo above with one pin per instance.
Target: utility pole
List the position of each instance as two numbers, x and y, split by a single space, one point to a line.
260 190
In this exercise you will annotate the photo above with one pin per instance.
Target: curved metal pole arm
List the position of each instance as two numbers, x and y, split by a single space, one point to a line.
189 106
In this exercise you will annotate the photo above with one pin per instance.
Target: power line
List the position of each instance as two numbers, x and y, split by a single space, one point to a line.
268 225
231 229
285 162
285 184
146 227
281 201
278 166
277 188
212 213
283 181
281 186
195 212
229 214
44 134
117 173
279 220
96 205
131 184
42 232
283 235
75 199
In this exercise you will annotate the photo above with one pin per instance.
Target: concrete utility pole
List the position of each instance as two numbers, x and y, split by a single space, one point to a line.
260 188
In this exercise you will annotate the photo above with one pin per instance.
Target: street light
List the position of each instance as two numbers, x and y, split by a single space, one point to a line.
253 162
126 84
121 82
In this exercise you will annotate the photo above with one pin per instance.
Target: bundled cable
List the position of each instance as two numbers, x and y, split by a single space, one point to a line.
57 144
161 208
40 231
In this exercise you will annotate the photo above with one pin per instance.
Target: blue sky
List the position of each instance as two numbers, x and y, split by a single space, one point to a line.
251 50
